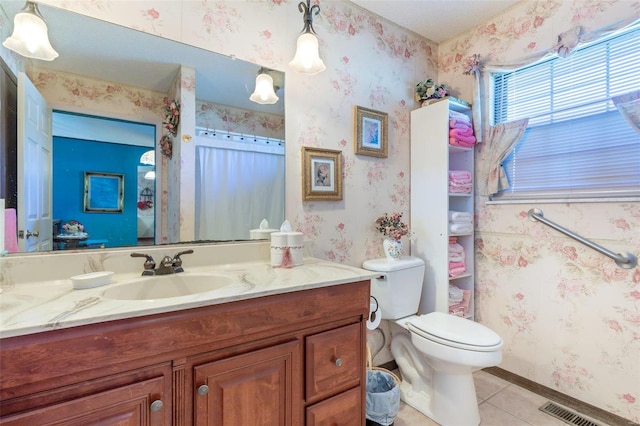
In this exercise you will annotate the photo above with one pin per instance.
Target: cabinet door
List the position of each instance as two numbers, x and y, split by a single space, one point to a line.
136 404
333 361
253 389
341 410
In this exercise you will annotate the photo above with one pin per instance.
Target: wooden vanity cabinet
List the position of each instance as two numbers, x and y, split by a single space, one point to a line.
289 359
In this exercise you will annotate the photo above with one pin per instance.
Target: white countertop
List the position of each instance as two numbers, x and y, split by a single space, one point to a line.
34 307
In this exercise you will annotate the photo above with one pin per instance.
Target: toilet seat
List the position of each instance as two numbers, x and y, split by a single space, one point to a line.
454 331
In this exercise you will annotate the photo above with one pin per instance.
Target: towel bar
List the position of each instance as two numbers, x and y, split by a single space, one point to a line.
626 261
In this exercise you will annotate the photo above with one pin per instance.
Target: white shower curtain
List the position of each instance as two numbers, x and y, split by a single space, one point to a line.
235 190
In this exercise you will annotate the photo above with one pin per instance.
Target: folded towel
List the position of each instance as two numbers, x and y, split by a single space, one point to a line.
460 216
456 257
462 188
461 228
462 139
456 272
467 131
10 231
456 123
460 174
456 295
453 240
455 248
459 116
461 308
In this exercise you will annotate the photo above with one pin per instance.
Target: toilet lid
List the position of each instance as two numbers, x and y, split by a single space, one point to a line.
455 331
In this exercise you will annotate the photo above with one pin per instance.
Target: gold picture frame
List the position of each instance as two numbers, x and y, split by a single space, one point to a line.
321 174
371 132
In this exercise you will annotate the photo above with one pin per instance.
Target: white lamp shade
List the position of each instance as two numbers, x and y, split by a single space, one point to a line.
30 37
150 175
307 60
264 93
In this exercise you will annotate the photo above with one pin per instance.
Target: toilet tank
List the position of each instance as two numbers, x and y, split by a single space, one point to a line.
398 287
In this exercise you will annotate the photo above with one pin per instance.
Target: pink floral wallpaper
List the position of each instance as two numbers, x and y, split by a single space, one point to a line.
570 317
570 320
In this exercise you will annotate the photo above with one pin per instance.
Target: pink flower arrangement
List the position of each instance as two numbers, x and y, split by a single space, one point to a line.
392 226
171 116
73 226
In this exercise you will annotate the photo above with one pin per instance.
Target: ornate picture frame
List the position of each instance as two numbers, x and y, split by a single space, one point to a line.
103 192
370 132
321 174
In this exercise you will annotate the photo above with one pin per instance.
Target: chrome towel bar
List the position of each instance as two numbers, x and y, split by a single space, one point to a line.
626 261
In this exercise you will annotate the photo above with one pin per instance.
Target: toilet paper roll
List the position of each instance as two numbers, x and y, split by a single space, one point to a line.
373 307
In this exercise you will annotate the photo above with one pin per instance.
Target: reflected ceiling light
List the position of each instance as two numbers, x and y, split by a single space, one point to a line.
307 59
29 36
150 175
265 90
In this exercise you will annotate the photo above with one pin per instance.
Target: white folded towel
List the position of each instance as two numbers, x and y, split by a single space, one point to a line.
455 294
460 216
455 248
456 257
461 228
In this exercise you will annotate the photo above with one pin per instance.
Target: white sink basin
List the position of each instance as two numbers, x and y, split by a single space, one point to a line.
175 285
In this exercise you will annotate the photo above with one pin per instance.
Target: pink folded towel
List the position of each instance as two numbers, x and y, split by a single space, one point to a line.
456 272
461 308
10 231
456 123
468 139
454 133
459 174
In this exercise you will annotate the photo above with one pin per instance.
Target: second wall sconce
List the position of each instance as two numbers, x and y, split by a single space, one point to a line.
30 36
307 59
265 91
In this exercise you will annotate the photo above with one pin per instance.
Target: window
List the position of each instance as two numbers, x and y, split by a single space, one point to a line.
577 145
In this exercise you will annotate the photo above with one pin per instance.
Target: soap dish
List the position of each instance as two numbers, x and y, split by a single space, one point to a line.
92 279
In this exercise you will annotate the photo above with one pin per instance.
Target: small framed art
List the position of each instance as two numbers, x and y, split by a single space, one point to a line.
103 192
371 132
321 174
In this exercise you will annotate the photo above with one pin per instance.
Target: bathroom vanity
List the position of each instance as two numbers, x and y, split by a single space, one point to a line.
281 353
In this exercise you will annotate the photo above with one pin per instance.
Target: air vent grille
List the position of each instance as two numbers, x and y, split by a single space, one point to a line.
566 415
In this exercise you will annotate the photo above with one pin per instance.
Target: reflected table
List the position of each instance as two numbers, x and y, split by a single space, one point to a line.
70 241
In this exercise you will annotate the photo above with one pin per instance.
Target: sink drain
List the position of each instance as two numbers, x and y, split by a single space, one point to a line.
567 416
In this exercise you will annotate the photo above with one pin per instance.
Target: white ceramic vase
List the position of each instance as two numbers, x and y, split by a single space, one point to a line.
392 248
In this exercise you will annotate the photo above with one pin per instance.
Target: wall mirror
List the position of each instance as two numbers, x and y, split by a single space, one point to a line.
109 52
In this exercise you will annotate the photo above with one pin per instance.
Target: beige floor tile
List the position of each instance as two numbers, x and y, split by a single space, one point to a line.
490 415
524 405
487 384
408 416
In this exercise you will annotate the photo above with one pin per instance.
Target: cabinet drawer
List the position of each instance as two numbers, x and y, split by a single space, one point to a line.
343 410
333 361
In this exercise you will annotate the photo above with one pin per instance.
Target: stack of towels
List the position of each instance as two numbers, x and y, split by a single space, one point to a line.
460 222
460 130
459 301
460 182
457 266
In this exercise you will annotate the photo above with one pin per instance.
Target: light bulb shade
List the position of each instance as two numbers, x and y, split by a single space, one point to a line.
30 36
150 175
264 93
307 60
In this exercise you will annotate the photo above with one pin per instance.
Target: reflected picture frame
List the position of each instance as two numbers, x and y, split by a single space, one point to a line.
370 132
103 192
321 174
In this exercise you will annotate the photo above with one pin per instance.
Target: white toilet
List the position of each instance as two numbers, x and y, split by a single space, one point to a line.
437 352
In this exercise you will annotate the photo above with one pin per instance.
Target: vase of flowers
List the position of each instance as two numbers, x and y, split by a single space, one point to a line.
393 228
428 91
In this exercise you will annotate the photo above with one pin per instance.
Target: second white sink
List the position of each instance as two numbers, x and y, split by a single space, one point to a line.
174 285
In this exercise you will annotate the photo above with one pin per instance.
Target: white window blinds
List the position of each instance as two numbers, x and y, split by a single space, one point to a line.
577 145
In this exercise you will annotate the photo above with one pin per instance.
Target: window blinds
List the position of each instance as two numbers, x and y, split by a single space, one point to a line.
577 144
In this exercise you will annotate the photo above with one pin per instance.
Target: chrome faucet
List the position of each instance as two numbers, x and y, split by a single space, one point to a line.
168 265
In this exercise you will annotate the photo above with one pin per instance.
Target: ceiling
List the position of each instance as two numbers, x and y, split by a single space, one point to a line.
437 20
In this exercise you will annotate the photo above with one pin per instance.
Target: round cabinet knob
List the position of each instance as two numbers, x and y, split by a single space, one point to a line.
156 405
339 362
203 390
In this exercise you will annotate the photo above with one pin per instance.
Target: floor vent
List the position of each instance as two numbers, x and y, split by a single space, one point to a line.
567 416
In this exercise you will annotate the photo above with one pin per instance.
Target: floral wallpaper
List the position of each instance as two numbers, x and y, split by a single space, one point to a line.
570 320
570 317
232 119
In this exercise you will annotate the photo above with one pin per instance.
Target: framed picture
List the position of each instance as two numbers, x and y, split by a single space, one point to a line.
371 132
321 174
103 192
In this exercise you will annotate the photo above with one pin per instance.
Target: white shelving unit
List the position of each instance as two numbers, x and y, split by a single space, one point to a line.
431 160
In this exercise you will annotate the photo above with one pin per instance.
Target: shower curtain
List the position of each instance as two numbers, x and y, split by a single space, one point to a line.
237 186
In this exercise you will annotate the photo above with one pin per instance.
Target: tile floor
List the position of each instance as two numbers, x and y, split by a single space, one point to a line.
501 404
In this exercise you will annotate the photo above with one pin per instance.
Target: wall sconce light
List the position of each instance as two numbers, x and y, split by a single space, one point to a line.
30 38
150 175
265 90
307 60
